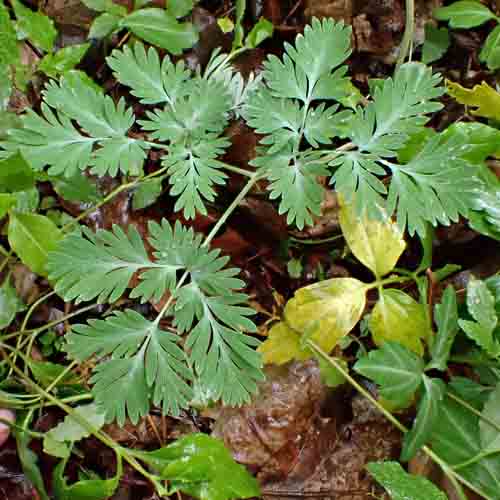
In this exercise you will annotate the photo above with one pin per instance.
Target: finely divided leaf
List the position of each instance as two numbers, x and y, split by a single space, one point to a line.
397 371
146 362
152 81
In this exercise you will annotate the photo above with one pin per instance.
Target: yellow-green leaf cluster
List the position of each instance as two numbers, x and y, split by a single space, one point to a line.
485 99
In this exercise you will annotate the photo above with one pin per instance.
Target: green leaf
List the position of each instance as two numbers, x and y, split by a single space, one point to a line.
378 244
10 304
446 317
89 489
490 435
238 31
282 345
397 371
146 362
464 14
152 81
262 30
16 174
29 459
34 25
52 139
399 318
180 8
63 60
330 376
32 237
104 25
9 51
146 194
160 28
327 311
456 440
437 42
427 414
490 53
7 201
106 6
70 430
200 465
77 187
481 306
403 486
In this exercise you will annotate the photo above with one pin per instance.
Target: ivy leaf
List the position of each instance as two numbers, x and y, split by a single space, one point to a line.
63 60
456 440
484 99
152 81
399 318
162 29
36 26
378 244
282 345
446 317
428 412
490 435
403 486
106 6
77 187
464 14
327 311
481 306
437 41
32 237
397 371
199 465
10 304
70 430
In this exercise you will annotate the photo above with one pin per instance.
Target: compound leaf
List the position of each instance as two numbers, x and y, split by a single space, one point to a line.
397 371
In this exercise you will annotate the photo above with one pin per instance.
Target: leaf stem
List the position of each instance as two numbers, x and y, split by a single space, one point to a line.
447 470
405 49
469 407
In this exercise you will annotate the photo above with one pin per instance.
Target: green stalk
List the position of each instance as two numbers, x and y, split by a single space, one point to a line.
405 49
455 478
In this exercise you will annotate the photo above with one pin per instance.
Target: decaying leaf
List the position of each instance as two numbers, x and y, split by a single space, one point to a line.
378 244
327 311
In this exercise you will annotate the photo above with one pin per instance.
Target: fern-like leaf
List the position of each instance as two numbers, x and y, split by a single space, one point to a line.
45 139
144 360
150 80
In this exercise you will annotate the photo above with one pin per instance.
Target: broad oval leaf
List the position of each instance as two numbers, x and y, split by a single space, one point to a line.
327 311
282 345
158 27
32 237
403 486
378 244
464 14
399 318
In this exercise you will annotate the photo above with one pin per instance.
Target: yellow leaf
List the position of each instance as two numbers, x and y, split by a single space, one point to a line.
328 310
378 244
399 318
282 345
483 97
